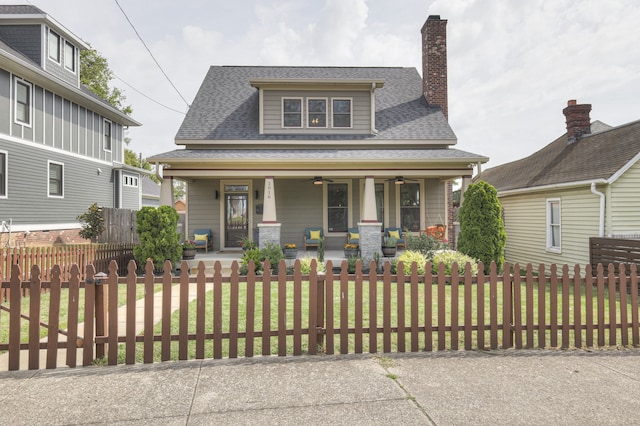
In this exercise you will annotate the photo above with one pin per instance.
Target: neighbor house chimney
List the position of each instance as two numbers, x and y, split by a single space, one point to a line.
434 62
578 120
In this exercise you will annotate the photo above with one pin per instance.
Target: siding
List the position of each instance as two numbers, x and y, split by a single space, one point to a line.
623 212
525 225
25 39
435 202
131 195
28 201
361 111
204 209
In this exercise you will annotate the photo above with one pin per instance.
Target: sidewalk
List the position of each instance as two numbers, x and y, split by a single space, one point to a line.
444 388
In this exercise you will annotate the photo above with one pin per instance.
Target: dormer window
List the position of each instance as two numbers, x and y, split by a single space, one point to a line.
54 46
69 56
317 111
292 112
341 113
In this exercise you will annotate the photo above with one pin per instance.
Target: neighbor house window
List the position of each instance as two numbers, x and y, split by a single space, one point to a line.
54 46
56 179
23 102
337 207
291 112
341 113
69 56
317 112
107 135
410 206
3 174
553 224
131 181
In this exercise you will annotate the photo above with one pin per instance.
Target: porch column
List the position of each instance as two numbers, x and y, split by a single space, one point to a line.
466 181
166 192
269 229
369 227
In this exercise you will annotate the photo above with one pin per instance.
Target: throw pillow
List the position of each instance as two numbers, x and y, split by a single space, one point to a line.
200 237
395 234
314 235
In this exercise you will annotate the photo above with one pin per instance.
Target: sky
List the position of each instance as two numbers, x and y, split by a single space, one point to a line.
512 64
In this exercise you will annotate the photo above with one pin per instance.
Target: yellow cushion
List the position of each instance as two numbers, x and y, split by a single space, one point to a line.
200 237
354 235
395 234
314 235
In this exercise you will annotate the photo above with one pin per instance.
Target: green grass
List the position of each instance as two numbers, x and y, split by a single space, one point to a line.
451 340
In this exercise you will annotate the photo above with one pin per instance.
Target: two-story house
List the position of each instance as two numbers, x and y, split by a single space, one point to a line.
286 148
61 147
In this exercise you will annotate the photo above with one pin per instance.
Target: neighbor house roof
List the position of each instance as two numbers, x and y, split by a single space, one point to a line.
226 105
596 156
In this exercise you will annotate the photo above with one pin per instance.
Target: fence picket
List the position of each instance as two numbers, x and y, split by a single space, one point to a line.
217 311
622 291
428 307
112 313
588 306
635 339
611 284
493 307
73 343
442 312
297 309
553 306
577 307
517 305
344 311
233 310
89 311
34 314
200 308
250 314
565 306
400 311
480 302
130 326
358 284
54 318
373 309
415 324
165 344
266 310
600 305
282 311
328 297
386 308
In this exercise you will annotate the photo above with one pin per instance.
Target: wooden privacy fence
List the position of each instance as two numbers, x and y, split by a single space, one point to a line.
331 313
614 250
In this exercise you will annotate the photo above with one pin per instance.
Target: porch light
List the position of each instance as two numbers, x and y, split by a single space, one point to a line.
317 180
399 180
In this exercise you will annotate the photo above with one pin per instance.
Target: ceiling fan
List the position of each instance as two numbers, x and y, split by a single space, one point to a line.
319 180
399 180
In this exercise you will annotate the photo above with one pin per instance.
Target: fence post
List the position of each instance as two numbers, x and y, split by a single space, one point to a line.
99 280
320 310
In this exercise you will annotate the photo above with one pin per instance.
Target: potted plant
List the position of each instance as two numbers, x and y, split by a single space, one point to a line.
389 247
188 250
247 243
350 250
290 251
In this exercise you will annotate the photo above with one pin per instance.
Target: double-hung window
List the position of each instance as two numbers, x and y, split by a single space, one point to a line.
23 102
553 225
69 56
107 135
54 46
292 112
56 179
317 112
337 207
410 206
341 111
3 174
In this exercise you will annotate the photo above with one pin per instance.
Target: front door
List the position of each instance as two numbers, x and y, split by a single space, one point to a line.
236 220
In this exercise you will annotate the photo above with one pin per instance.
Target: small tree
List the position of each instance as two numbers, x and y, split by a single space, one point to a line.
159 239
92 223
482 234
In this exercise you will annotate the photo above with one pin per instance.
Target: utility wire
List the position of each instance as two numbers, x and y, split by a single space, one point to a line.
151 99
151 54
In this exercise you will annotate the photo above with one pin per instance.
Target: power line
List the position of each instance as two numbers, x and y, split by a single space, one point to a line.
151 54
151 99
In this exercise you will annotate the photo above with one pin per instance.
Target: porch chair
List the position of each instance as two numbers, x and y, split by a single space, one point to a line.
312 237
203 239
396 233
353 236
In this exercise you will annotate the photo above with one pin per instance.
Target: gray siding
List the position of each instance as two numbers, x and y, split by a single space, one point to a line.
28 201
204 209
361 111
5 102
25 39
435 202
58 69
130 195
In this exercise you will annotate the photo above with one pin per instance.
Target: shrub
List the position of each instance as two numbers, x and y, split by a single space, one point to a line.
249 255
159 239
482 234
448 257
273 253
410 256
92 223
424 244
305 265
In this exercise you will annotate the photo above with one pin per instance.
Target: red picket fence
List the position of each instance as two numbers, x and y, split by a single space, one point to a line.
331 313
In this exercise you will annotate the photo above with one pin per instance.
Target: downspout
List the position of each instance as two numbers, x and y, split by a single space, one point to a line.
602 198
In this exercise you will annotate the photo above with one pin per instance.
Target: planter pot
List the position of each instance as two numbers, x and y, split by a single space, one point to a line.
350 253
290 253
188 254
389 251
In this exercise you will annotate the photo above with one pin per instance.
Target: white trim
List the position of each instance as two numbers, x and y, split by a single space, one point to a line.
624 168
62 179
6 175
261 111
325 205
18 80
73 57
292 98
220 201
130 180
333 126
44 227
548 231
551 187
386 200
53 149
422 206
326 112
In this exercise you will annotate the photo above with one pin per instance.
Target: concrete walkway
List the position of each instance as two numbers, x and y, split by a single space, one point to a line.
445 388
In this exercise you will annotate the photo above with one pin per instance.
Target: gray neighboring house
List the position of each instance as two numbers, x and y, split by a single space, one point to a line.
150 192
270 151
61 147
584 184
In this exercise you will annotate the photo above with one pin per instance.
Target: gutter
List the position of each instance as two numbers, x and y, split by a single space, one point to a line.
551 187
602 200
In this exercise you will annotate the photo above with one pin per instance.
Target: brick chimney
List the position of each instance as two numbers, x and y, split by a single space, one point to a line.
578 120
434 62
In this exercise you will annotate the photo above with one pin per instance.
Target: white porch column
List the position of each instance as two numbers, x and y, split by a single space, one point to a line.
166 192
269 229
369 227
466 181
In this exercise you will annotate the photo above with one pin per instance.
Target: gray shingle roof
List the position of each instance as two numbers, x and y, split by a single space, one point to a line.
226 105
595 156
12 9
